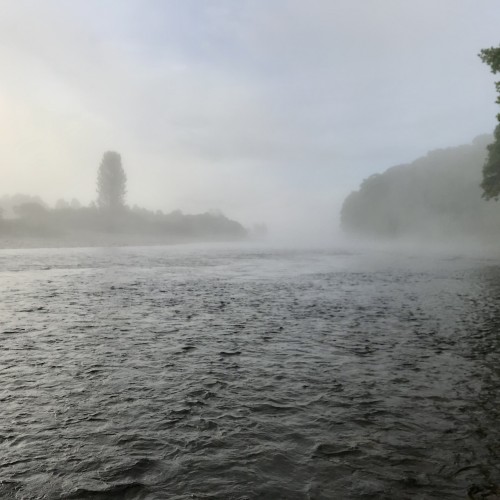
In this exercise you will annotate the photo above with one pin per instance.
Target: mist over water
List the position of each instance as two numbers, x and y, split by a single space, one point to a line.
247 372
246 252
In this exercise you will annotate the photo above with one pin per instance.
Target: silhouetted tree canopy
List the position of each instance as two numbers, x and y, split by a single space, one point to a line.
30 210
491 57
491 169
111 182
34 218
109 219
10 202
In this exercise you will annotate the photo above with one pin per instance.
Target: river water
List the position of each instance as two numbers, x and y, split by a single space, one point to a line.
247 373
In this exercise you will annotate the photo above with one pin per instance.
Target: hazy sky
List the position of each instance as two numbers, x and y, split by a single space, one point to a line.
270 110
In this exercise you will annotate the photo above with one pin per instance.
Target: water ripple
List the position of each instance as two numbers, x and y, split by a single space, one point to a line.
240 374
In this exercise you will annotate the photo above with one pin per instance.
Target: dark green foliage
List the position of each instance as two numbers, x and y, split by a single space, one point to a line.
491 57
111 182
491 169
437 196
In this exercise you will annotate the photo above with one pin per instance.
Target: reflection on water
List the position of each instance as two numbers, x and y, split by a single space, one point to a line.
228 374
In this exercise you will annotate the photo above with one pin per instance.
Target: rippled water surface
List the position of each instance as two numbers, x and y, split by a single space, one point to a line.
226 373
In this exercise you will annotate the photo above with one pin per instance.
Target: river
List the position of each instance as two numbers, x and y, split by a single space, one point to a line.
246 372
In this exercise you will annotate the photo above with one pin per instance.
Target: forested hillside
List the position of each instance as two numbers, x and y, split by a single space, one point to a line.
436 196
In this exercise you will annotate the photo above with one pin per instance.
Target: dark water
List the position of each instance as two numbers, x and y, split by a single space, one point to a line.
178 373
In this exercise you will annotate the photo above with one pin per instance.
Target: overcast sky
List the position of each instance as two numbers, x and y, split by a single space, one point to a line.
269 110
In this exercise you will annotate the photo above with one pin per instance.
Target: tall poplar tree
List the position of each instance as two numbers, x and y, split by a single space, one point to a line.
111 182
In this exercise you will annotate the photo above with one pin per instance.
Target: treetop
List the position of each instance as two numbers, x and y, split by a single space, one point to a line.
491 57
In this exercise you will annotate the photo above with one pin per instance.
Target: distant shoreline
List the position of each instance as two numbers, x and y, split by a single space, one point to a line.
99 240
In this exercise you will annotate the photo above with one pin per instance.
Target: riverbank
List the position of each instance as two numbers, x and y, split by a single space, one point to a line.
98 240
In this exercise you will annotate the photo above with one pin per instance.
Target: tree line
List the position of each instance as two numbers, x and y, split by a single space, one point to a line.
436 196
25 216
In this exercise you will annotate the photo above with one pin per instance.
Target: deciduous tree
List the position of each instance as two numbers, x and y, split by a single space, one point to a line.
491 169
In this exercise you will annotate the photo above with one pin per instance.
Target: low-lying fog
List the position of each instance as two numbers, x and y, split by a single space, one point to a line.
271 113
244 249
